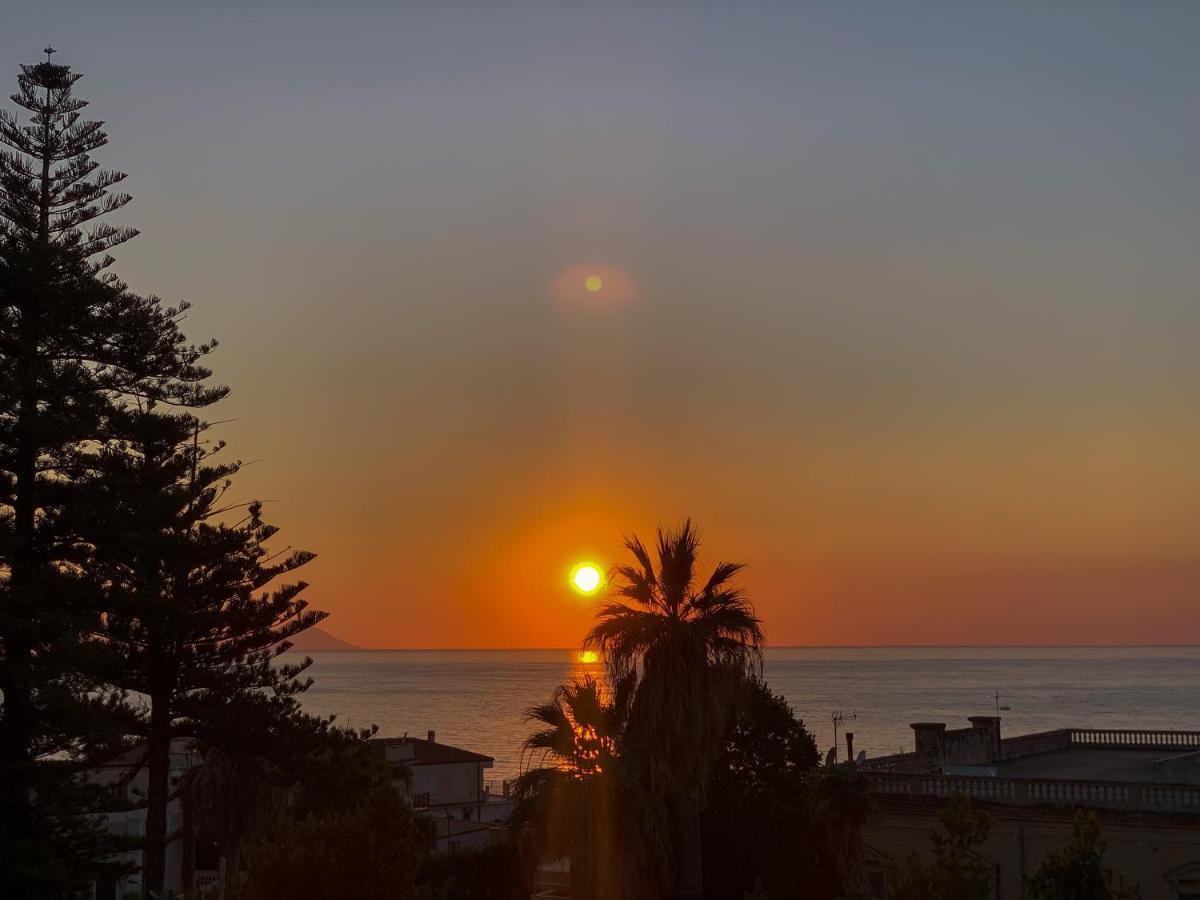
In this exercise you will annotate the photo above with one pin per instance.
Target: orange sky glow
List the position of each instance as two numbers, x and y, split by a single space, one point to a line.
898 304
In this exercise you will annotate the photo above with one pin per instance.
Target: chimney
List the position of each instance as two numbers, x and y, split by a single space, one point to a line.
990 726
930 737
850 747
430 738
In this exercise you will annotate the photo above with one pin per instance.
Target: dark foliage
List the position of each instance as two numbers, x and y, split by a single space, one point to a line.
195 615
366 843
586 799
688 643
956 871
756 819
839 803
75 347
492 872
1077 871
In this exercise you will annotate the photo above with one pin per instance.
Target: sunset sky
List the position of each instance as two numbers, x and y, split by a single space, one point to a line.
900 303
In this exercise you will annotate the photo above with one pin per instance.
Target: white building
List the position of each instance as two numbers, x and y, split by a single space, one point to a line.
128 774
446 784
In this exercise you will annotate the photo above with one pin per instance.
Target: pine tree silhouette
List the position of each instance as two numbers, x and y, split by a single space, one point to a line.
75 346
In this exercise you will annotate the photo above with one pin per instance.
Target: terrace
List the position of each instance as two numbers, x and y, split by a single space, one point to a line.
1129 769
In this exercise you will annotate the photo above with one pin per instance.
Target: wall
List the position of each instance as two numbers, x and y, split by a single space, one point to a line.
1145 849
449 783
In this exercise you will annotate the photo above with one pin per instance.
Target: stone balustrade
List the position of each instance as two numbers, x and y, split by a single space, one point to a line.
1135 739
912 763
1041 791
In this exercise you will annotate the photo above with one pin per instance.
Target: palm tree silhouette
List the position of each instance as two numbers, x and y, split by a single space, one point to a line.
583 800
687 648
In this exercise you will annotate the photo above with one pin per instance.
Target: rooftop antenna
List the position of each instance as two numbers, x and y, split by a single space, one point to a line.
49 51
839 719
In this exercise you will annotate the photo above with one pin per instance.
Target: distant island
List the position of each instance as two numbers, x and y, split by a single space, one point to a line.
314 639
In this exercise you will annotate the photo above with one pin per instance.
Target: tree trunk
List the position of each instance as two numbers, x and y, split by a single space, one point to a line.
18 719
233 866
154 857
187 865
689 861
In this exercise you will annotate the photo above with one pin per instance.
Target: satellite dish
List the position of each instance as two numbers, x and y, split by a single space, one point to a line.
831 756
861 758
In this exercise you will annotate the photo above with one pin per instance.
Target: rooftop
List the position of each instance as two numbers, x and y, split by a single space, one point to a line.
1134 769
418 752
1105 764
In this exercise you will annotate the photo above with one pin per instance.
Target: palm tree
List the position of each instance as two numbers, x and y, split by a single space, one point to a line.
687 647
583 801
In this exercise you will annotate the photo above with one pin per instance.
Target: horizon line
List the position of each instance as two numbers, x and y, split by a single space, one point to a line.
357 649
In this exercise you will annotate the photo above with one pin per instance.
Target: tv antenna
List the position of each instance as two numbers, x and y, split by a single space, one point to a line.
838 718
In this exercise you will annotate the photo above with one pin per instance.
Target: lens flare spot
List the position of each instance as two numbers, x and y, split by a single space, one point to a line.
586 578
593 286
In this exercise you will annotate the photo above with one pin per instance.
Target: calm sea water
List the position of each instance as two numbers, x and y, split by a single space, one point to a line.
477 699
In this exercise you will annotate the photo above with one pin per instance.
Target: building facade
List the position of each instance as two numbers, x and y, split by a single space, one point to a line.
1143 785
446 784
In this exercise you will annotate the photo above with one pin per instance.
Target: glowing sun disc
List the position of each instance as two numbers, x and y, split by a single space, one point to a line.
586 578
588 657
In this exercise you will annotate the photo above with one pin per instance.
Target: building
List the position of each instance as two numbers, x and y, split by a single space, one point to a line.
127 774
441 782
1143 785
446 784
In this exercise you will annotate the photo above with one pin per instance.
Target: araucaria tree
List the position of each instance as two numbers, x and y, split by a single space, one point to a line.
688 645
75 344
197 610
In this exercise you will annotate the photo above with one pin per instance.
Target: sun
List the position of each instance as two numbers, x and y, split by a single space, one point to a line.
588 657
593 283
586 578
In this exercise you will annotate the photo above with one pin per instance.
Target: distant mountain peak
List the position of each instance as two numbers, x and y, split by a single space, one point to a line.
313 639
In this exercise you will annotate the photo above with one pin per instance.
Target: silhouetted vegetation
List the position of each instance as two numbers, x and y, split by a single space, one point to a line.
587 800
360 840
957 871
685 743
756 815
688 645
77 349
136 604
492 872
1077 871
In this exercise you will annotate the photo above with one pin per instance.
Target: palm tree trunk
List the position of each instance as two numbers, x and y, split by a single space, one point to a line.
689 859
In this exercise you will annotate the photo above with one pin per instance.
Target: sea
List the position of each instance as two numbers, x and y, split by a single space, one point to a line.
479 699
